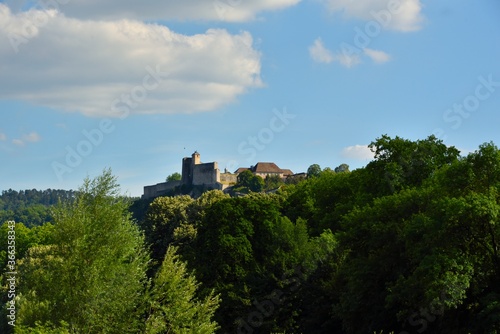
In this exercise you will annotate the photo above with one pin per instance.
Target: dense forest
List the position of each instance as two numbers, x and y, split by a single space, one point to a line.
31 207
407 244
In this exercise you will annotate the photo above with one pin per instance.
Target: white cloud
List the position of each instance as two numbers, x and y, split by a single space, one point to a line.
402 15
86 66
320 54
358 152
150 10
348 60
377 55
3 136
18 142
32 137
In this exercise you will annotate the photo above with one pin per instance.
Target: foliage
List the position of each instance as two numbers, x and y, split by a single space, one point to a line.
47 328
164 216
343 168
313 171
272 182
174 177
401 163
173 306
93 275
409 243
247 181
245 250
31 207
25 238
175 220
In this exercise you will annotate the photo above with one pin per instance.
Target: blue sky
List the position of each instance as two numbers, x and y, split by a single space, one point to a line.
136 86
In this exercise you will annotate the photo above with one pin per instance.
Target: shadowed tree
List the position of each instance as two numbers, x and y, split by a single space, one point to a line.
313 171
173 303
247 181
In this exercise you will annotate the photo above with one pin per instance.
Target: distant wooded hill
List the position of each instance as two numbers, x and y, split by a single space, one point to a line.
31 207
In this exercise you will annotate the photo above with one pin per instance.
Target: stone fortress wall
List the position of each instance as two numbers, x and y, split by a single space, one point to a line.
194 173
160 189
227 178
206 174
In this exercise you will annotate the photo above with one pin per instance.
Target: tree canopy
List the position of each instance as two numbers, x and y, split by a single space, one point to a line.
407 244
247 181
87 273
174 177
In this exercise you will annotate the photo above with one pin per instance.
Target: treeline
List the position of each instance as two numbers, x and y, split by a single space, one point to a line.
31 207
87 273
408 244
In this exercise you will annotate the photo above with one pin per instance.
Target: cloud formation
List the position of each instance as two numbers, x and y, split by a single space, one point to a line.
358 152
100 67
377 56
320 54
153 10
401 15
32 137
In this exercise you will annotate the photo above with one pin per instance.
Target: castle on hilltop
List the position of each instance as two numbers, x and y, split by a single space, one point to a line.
194 173
208 176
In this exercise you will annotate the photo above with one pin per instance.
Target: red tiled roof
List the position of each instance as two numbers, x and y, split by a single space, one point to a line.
287 172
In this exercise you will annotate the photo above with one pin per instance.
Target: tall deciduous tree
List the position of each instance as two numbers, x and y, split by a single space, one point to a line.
342 168
313 171
93 276
164 216
247 181
400 163
173 303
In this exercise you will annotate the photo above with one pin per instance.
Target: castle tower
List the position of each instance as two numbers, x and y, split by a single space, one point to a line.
187 171
196 158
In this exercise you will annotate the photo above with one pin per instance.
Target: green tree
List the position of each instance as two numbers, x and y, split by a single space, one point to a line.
163 217
400 163
247 181
318 291
175 221
342 168
174 306
31 207
313 171
25 238
93 276
272 182
246 250
427 255
174 177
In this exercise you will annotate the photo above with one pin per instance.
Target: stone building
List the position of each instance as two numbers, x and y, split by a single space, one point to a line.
207 175
264 169
160 189
194 173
